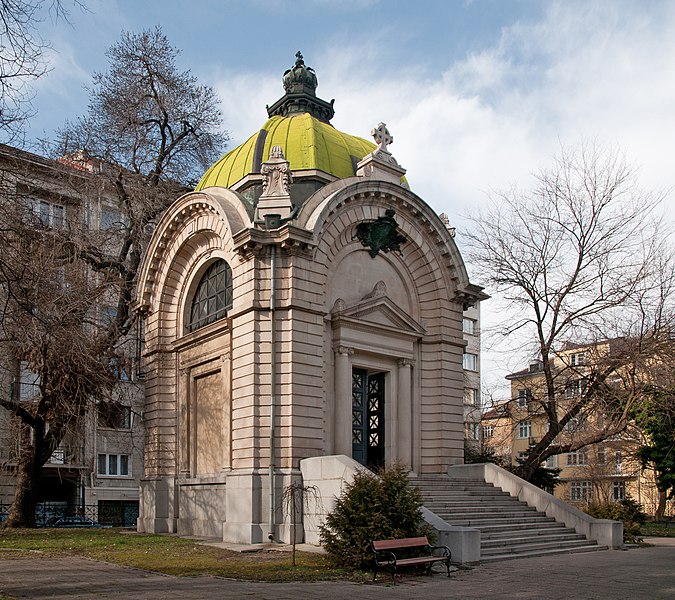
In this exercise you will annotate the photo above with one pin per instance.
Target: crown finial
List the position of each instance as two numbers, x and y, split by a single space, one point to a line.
300 83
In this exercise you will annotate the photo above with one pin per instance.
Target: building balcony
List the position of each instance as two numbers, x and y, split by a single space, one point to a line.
68 456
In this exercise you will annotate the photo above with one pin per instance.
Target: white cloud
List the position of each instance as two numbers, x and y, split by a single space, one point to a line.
587 70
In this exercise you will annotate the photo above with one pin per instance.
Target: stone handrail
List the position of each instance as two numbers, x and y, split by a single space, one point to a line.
605 532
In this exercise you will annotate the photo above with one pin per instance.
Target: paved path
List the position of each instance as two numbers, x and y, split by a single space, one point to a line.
636 574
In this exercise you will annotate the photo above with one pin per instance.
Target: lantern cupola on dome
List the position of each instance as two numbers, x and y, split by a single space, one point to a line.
300 83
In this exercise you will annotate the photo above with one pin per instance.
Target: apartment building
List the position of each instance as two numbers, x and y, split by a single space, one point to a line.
472 379
97 467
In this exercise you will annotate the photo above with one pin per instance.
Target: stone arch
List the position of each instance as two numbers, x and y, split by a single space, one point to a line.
217 213
431 255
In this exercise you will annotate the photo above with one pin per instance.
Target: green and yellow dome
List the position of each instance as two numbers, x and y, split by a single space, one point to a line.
307 143
300 123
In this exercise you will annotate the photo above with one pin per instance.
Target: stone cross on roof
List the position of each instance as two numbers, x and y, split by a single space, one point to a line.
382 137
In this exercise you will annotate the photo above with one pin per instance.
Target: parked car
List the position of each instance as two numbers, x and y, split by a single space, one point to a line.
74 522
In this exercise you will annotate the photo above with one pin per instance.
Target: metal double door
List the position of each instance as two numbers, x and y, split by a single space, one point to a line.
368 418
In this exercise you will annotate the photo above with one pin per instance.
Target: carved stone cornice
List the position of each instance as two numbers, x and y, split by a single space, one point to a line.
469 295
405 362
252 241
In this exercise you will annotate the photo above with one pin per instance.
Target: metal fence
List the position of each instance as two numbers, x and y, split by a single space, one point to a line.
113 513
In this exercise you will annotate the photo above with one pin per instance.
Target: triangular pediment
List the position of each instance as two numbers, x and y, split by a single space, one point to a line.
378 310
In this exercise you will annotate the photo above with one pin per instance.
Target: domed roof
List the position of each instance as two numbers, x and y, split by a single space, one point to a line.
299 123
307 143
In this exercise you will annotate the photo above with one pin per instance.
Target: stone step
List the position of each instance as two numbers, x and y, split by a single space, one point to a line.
533 553
499 527
529 532
474 501
533 546
485 508
513 516
509 528
466 494
527 539
479 522
449 483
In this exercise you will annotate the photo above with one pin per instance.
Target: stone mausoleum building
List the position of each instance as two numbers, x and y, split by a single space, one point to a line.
302 302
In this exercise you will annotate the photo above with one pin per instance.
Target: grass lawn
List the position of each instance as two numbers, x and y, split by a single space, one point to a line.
170 554
657 530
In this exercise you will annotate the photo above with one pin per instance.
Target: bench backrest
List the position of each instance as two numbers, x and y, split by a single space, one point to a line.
380 545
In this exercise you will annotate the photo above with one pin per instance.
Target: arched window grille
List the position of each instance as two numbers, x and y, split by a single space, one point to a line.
213 296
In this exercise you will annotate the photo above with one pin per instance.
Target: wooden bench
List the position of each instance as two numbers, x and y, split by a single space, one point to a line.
384 555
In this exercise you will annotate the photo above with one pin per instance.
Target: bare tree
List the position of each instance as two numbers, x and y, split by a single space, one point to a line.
147 116
150 129
581 262
22 58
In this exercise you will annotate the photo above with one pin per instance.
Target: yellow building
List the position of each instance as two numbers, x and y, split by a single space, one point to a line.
605 471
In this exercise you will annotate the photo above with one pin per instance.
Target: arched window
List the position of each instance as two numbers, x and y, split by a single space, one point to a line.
213 296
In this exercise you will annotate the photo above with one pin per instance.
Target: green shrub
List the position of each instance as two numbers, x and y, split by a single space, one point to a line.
628 511
373 507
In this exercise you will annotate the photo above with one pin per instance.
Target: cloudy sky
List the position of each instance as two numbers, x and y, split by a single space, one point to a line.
477 93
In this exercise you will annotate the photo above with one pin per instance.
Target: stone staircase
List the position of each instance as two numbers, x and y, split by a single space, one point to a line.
508 527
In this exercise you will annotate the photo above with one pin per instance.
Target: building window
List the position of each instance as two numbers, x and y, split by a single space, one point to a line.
580 457
473 431
524 396
470 361
575 389
578 423
106 315
578 359
525 429
111 219
114 465
471 397
29 382
618 490
552 462
213 296
50 215
488 431
58 457
580 491
112 415
602 456
119 368
469 326
618 462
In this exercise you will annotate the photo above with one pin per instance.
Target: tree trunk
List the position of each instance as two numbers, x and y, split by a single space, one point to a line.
661 508
28 476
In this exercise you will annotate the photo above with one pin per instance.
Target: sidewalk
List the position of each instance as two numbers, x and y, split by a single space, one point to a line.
636 574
